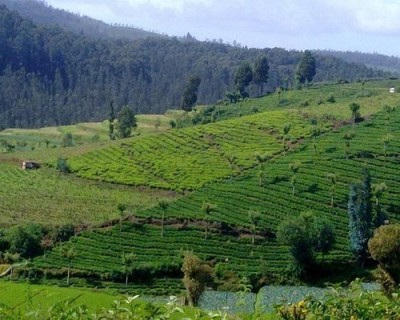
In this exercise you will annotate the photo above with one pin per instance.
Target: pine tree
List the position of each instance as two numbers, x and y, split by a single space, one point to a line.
360 217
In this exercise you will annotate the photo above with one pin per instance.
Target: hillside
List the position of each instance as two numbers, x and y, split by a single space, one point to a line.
192 157
42 14
265 188
49 76
373 60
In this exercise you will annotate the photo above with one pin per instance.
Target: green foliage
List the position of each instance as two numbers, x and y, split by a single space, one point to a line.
84 72
360 217
384 247
260 75
111 119
196 274
243 77
46 197
191 157
67 140
126 122
128 262
25 240
304 235
62 165
306 68
64 232
343 303
189 96
355 111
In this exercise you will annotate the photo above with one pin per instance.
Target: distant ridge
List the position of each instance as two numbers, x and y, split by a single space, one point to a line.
372 60
39 12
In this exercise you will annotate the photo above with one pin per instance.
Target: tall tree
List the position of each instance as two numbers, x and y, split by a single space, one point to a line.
355 111
294 168
70 254
286 137
360 217
121 208
260 76
332 179
126 122
189 97
261 159
254 219
111 119
306 68
163 206
378 189
243 77
348 136
207 209
128 261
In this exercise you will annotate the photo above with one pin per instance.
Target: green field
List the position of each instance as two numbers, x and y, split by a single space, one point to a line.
45 196
211 163
235 196
189 158
19 295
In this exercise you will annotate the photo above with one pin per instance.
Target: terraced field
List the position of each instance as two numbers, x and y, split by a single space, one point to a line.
44 196
234 197
191 157
216 161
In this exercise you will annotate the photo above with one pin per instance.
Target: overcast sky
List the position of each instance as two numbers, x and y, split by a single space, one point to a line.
355 25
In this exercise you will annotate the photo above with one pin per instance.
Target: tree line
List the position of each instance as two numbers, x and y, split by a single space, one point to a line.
52 77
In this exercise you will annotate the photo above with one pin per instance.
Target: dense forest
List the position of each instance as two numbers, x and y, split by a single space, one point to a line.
39 12
374 60
49 76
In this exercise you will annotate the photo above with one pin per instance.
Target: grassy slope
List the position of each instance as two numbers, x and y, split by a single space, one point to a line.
235 196
192 157
42 297
44 196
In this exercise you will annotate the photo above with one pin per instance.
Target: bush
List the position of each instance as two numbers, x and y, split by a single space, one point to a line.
331 98
63 166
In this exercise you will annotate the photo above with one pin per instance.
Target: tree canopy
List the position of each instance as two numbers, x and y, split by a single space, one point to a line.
126 122
189 96
306 69
243 77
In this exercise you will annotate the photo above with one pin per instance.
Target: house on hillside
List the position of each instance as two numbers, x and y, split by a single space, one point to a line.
30 165
391 90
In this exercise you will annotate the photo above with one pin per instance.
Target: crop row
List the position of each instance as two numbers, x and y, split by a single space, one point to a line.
192 157
46 197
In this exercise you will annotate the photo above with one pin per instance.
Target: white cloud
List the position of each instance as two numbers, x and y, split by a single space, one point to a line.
288 23
371 16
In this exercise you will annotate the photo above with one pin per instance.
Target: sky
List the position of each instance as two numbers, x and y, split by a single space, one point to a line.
346 25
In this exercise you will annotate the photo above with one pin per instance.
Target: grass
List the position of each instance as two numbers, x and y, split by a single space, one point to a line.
22 295
233 197
47 197
197 158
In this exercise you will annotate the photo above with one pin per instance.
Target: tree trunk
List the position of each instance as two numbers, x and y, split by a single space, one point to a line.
126 280
162 224
189 298
68 273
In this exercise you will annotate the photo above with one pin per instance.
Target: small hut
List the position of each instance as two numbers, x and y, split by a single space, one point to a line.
27 164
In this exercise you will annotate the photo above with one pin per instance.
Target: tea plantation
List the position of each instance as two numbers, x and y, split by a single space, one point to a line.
266 188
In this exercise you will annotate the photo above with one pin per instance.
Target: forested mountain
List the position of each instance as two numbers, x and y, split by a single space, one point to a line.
373 60
50 77
42 14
